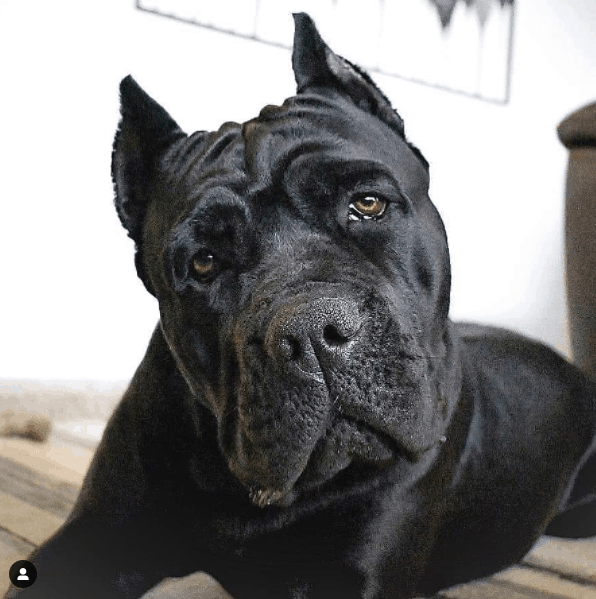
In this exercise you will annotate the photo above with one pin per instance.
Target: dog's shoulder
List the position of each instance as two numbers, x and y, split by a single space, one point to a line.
523 388
533 418
506 353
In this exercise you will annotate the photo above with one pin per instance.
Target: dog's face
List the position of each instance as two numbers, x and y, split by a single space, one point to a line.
302 275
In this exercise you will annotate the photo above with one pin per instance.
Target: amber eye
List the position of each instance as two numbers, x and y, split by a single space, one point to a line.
367 207
204 263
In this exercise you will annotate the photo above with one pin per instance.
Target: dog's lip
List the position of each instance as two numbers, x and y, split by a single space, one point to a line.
393 446
388 443
387 451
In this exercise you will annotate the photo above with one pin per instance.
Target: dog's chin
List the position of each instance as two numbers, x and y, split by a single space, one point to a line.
348 447
347 476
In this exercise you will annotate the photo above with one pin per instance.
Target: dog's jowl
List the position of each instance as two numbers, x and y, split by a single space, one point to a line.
307 422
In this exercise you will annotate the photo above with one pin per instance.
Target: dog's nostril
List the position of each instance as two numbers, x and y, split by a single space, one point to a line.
289 348
333 337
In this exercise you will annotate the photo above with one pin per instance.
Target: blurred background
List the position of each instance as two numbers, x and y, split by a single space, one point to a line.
71 306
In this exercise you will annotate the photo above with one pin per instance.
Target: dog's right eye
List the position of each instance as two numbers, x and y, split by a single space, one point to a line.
204 264
367 207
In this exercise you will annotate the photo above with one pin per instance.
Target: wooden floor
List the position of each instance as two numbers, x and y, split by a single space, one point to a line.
39 482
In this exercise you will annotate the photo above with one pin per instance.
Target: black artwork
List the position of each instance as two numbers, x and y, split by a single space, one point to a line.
464 49
445 8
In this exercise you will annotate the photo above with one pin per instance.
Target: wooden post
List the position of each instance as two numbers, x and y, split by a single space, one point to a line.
578 133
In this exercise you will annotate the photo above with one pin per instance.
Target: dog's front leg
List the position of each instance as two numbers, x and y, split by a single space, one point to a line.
290 581
92 559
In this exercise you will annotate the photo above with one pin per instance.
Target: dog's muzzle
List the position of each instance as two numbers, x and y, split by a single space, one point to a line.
286 354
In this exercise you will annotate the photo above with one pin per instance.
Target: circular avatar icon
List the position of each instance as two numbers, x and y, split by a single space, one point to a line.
22 574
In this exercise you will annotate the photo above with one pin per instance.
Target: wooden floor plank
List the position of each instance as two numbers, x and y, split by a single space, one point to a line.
574 559
545 582
37 489
489 589
195 586
10 544
26 521
55 458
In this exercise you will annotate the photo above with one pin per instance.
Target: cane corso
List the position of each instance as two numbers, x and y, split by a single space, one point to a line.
307 422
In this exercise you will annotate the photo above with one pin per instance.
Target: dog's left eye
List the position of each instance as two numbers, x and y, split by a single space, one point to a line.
204 264
367 207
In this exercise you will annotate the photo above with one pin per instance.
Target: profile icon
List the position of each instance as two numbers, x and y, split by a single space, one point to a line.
22 574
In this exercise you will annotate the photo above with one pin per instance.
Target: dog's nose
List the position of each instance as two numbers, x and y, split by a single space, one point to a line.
311 333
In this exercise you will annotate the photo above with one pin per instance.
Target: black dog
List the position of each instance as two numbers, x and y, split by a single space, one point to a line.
307 422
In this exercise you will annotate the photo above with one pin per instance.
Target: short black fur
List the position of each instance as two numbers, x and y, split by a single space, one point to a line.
307 423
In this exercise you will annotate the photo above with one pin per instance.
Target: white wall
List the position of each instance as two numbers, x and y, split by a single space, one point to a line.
70 304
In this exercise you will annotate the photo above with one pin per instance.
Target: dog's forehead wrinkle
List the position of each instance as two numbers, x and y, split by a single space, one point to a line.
207 155
321 103
270 152
261 150
216 209
327 125
298 119
332 173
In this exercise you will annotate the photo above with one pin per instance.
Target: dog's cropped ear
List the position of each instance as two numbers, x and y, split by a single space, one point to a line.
146 130
317 66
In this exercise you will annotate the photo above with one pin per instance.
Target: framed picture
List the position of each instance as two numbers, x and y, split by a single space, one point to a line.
463 46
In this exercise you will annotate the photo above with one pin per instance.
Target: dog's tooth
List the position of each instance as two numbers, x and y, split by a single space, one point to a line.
274 496
264 497
257 496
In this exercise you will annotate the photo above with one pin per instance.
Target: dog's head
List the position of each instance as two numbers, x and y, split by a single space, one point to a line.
302 275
